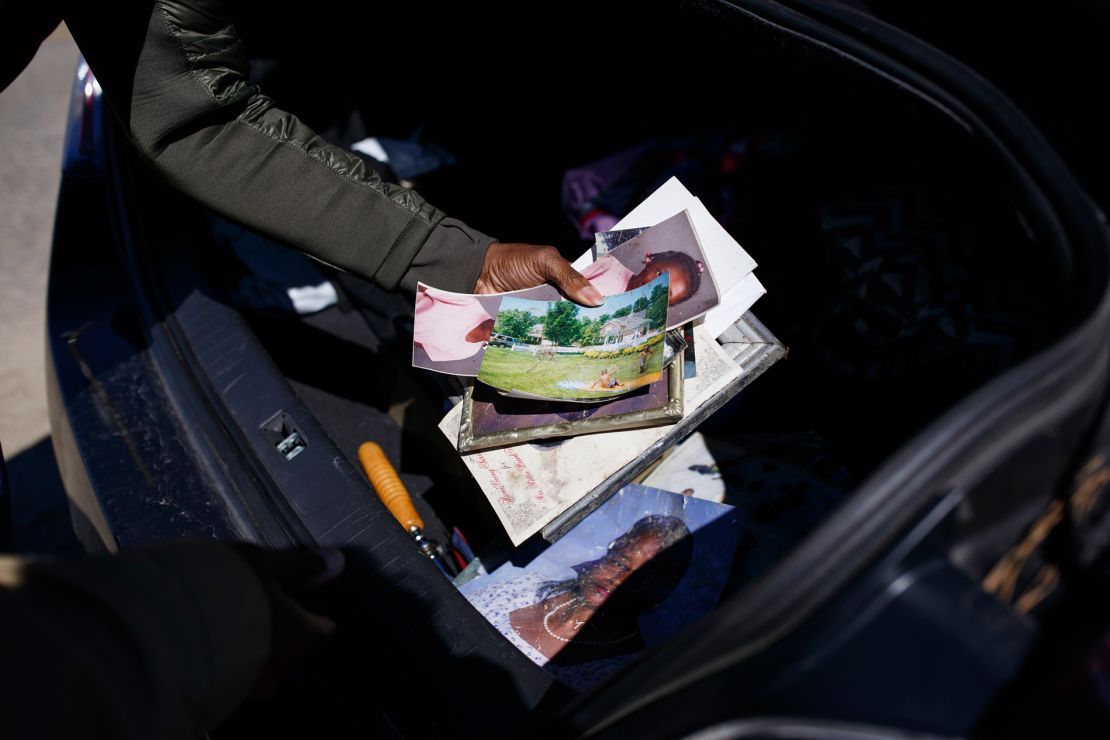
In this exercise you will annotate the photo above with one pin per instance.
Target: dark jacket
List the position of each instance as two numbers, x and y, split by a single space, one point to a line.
176 74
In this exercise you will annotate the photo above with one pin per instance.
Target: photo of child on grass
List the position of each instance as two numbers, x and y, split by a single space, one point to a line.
560 350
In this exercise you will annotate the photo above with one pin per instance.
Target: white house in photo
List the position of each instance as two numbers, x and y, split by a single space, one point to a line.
535 335
626 329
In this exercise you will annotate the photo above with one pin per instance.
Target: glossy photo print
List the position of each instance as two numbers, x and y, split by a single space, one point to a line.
670 247
639 568
452 330
560 350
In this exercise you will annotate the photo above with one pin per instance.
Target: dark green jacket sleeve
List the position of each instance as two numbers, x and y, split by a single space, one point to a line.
177 75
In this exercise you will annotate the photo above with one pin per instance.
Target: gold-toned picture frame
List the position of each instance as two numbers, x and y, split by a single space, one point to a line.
669 413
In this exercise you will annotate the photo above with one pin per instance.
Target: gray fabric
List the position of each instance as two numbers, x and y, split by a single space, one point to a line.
176 74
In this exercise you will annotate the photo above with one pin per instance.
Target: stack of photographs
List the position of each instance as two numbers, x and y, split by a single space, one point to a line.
567 403
547 367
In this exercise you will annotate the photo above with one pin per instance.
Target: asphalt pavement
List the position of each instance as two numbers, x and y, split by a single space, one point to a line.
32 125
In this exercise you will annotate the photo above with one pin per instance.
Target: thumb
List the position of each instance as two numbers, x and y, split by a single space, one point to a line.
563 276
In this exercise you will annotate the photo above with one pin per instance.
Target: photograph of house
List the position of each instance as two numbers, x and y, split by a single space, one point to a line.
563 351
535 335
625 329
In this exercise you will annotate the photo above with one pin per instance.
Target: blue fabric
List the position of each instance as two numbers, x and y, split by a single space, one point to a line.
410 158
271 269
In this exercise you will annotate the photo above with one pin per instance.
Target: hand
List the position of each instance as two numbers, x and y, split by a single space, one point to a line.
296 632
515 266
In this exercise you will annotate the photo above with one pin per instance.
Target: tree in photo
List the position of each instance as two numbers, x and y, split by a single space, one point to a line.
641 304
620 313
590 331
561 324
515 322
657 307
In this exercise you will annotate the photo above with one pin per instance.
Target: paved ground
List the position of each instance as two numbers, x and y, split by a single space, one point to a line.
32 123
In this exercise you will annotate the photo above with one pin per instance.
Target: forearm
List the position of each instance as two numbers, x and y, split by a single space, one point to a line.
177 76
280 179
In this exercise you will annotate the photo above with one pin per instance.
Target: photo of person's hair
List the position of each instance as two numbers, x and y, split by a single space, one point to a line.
670 247
596 614
684 285
637 569
694 268
675 547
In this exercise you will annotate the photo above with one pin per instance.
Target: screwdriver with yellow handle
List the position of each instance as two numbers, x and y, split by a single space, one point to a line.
391 490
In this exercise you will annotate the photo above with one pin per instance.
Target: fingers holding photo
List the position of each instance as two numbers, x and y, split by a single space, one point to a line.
515 266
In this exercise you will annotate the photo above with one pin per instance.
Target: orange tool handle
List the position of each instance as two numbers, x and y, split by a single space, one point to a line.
388 485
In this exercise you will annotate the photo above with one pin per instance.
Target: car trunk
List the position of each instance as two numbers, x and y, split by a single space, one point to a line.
925 260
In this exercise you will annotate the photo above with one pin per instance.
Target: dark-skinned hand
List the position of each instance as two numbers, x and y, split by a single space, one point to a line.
512 266
295 632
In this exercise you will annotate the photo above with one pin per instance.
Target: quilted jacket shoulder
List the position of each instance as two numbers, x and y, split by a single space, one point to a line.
178 76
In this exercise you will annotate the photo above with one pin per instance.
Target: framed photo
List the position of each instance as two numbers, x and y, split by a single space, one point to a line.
490 419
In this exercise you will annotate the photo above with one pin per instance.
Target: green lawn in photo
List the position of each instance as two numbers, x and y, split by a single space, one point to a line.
541 376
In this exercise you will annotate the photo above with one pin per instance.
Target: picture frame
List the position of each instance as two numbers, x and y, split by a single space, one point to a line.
669 413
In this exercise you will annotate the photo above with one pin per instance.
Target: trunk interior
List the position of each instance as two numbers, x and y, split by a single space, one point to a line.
897 264
900 269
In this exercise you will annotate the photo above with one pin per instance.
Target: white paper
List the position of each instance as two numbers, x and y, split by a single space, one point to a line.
312 298
372 148
734 304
